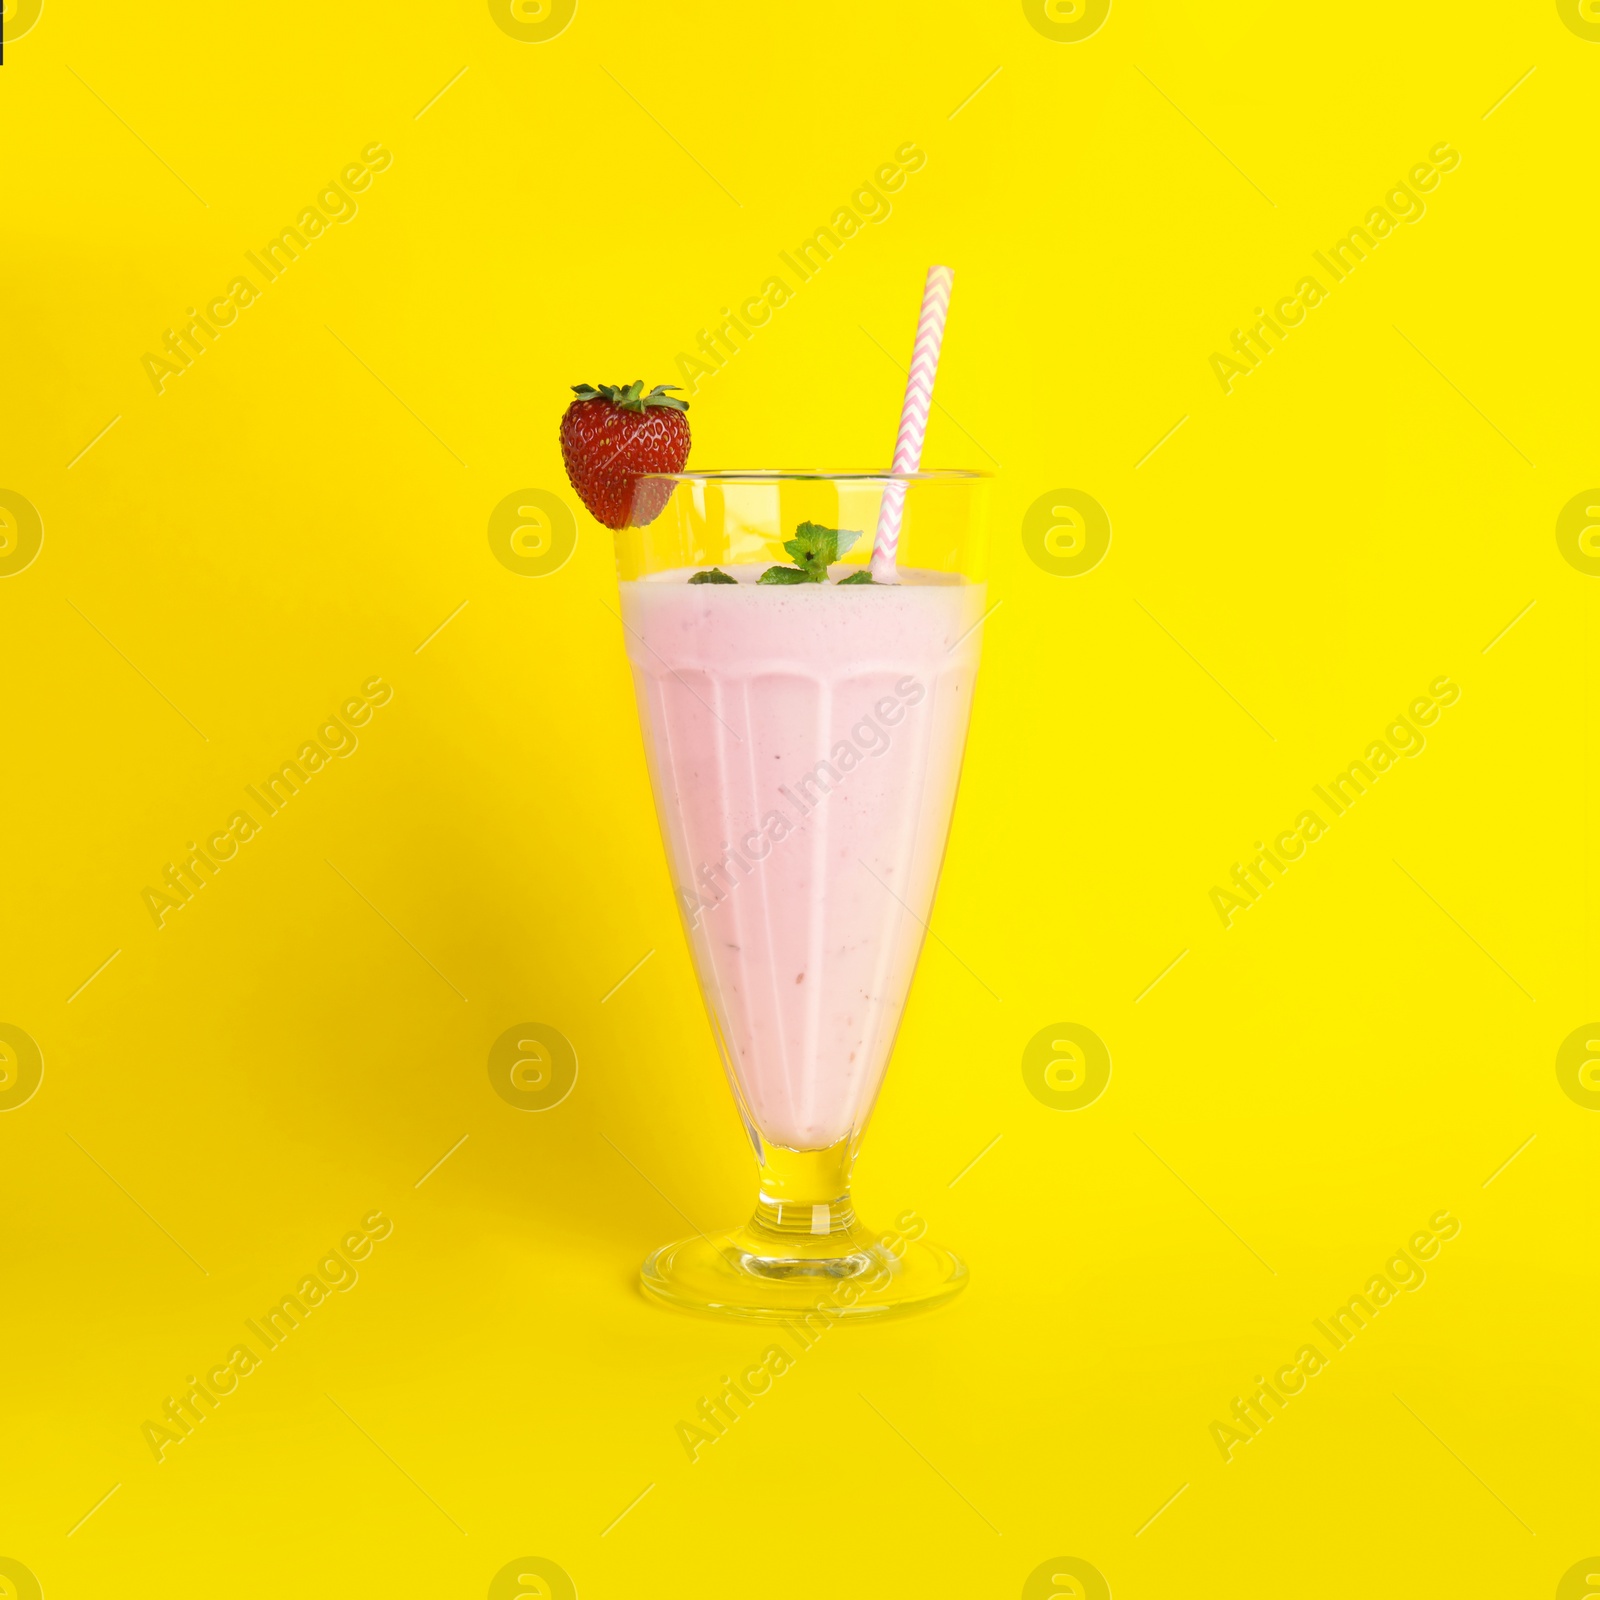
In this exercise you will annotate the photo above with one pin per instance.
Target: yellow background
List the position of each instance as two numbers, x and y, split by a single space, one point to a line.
299 1046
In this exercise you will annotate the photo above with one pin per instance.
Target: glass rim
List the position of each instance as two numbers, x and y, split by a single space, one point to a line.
809 475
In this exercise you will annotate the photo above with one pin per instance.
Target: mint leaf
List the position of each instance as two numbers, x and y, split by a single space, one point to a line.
714 575
863 576
811 554
816 548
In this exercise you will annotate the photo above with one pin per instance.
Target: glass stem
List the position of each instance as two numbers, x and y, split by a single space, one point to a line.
804 1198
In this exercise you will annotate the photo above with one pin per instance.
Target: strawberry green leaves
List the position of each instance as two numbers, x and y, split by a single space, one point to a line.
631 396
814 549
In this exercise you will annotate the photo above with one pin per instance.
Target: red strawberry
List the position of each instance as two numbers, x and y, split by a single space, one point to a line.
610 435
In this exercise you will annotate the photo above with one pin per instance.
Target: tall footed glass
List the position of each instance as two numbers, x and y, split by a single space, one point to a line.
804 740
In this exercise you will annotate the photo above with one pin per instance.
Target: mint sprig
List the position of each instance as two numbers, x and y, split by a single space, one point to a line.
814 549
712 575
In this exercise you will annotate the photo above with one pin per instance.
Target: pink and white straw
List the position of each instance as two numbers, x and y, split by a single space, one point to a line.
913 417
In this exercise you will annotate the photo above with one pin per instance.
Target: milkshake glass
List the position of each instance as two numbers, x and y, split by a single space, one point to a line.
804 741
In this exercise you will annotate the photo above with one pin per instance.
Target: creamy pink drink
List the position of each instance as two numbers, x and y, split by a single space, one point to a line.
804 743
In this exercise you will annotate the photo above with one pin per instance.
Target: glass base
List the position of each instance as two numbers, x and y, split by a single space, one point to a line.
803 1258
737 1275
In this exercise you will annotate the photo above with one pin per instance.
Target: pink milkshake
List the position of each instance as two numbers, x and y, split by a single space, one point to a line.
804 745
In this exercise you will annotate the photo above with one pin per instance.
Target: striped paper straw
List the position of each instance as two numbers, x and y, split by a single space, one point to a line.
913 417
